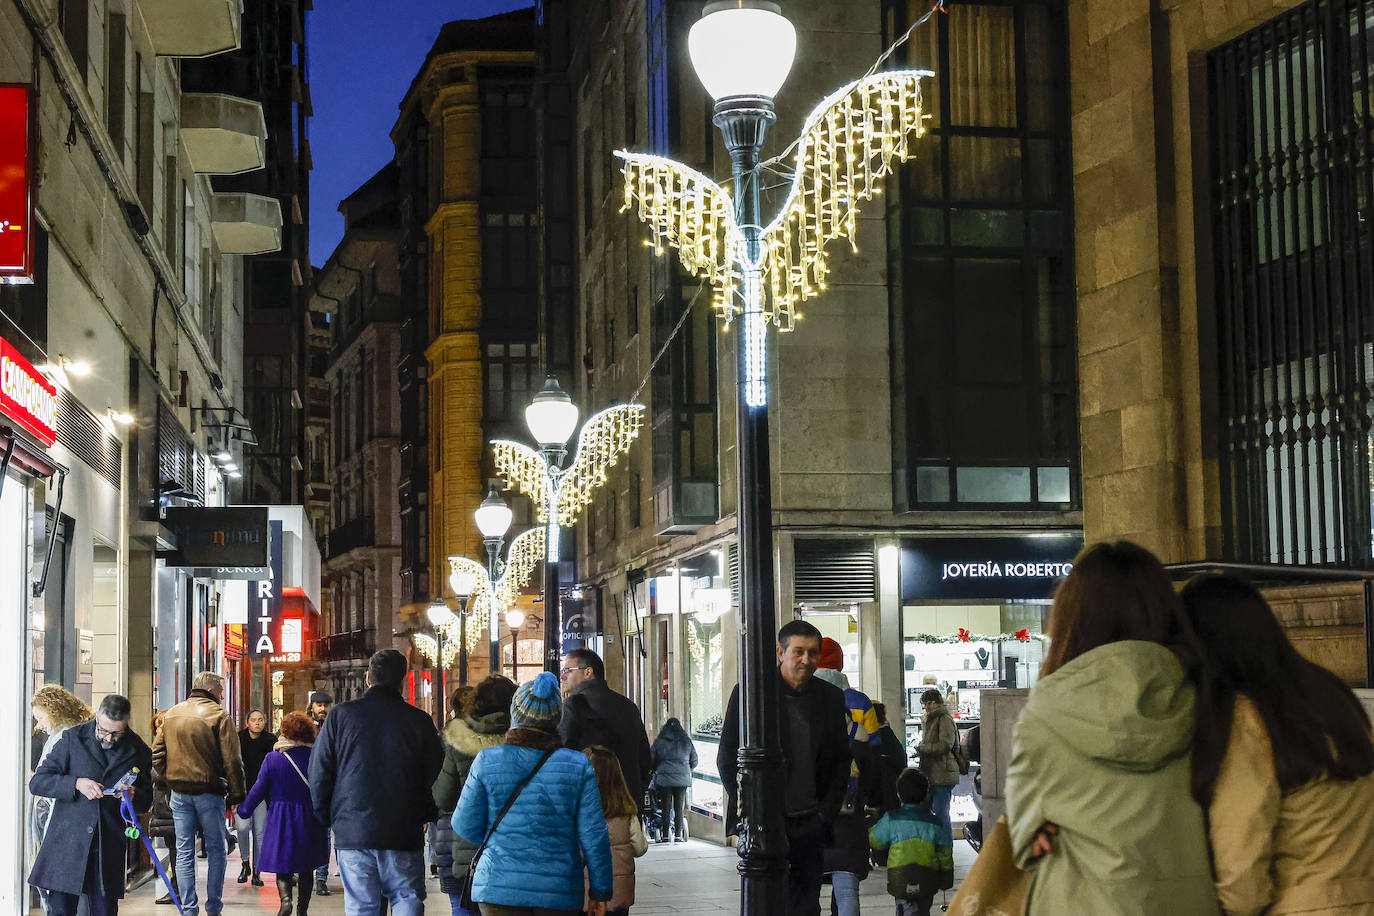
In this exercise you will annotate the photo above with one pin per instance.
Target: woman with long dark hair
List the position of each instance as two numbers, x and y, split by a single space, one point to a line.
1282 763
1097 790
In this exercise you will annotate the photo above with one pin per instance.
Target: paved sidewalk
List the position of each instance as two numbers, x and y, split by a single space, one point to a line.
690 879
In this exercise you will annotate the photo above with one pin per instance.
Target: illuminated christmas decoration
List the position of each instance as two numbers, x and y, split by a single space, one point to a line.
970 637
524 554
846 150
278 677
429 648
561 495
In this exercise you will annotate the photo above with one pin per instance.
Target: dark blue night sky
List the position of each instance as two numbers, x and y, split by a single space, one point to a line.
363 55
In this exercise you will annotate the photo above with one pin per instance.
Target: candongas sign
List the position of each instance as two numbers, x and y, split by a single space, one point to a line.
26 397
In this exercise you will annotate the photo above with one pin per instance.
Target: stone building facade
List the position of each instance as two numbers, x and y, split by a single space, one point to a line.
1221 167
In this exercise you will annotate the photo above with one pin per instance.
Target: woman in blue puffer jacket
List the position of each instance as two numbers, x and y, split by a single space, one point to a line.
535 858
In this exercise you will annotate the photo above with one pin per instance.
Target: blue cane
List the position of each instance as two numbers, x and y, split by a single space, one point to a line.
132 831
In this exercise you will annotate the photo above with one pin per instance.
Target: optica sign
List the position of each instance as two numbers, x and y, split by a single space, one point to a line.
26 397
16 183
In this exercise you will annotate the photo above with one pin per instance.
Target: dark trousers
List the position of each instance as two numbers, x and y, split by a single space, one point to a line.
60 904
805 861
672 803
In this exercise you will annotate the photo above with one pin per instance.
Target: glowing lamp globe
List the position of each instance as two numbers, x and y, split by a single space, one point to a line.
742 48
515 619
551 416
463 581
493 516
439 614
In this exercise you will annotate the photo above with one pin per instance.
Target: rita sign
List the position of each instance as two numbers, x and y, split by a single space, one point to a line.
26 397
16 183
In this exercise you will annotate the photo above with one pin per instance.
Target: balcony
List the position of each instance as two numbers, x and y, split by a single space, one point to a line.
348 536
246 223
224 134
193 28
358 645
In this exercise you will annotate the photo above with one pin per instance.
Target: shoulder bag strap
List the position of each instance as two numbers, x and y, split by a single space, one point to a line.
296 768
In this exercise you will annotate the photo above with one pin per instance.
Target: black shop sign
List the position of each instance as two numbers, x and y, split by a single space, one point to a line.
218 537
986 568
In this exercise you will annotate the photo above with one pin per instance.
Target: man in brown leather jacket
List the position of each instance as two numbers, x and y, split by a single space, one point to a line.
196 753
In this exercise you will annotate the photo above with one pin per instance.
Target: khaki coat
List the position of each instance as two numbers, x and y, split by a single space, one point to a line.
1309 851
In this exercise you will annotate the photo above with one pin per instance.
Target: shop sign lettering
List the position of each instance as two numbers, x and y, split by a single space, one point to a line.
995 570
265 601
26 397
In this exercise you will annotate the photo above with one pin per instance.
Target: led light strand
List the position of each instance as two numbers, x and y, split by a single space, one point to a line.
846 149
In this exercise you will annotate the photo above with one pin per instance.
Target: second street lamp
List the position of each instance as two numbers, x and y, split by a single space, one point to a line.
493 520
552 417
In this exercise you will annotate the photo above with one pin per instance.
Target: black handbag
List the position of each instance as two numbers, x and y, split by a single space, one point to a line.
465 891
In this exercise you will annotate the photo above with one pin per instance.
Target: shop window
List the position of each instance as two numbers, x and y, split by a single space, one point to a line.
984 335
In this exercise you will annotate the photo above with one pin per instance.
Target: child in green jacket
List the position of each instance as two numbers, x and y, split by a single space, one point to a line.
920 857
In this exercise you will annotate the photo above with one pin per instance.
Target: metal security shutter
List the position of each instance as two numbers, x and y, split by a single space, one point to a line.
176 454
85 437
733 560
834 569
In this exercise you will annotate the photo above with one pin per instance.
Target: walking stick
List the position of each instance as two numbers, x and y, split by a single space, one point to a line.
133 831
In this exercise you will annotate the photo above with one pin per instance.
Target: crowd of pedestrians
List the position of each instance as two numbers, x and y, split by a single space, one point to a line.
1176 755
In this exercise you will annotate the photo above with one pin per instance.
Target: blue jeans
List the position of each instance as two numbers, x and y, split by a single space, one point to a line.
454 901
369 875
939 806
322 873
204 813
845 888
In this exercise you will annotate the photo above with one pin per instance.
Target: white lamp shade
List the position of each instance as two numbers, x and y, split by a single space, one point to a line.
743 49
439 614
514 619
493 517
551 416
463 582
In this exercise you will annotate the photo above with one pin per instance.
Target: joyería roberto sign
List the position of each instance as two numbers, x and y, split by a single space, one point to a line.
986 568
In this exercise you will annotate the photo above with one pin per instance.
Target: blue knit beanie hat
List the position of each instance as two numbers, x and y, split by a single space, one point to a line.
538 703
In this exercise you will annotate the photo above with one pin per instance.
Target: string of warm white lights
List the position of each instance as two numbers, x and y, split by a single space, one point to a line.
560 496
524 554
847 148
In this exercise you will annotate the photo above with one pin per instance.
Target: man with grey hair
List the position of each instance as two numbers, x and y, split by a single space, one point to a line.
83 850
197 756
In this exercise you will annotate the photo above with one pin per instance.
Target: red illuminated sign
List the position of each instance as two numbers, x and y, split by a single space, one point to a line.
16 183
26 397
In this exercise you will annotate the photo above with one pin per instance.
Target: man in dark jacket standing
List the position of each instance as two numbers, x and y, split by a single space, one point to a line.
83 852
371 772
815 748
593 713
197 755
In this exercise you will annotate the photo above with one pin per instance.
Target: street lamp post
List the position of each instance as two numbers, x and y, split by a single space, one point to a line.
742 51
551 418
440 617
493 520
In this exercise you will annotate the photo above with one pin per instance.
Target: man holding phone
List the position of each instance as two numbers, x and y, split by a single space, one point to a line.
83 852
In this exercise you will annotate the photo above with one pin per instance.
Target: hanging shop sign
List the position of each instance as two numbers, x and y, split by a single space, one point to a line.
26 397
986 568
265 602
16 183
221 542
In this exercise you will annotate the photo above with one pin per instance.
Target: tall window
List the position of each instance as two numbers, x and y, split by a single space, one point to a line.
984 349
1292 199
511 370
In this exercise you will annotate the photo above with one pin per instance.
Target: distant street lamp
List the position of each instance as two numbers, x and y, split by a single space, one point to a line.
742 50
559 494
440 616
493 520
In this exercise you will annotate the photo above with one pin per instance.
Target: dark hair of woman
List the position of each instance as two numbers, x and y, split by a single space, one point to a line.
297 726
1117 591
1315 722
616 800
494 694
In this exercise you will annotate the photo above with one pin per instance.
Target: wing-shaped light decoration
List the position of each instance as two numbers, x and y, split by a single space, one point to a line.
604 438
523 555
525 470
690 213
846 149
429 647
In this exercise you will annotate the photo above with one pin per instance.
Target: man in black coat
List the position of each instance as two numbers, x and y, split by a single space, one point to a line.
593 713
371 773
84 849
815 748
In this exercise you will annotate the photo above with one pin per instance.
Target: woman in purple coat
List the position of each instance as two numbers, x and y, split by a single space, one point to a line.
294 842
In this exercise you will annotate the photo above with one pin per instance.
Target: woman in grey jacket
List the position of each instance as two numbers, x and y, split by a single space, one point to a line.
674 759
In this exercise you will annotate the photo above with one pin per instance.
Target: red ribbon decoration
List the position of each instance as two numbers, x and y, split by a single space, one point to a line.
1022 635
963 635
